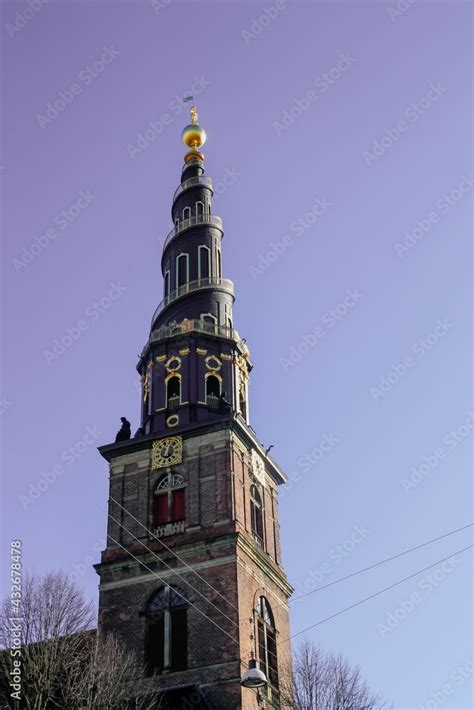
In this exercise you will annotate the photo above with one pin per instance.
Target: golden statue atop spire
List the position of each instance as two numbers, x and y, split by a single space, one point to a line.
193 135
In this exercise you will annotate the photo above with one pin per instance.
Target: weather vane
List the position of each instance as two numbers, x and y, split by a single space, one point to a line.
192 110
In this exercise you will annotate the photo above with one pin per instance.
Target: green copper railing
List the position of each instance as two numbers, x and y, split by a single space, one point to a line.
191 222
201 180
211 282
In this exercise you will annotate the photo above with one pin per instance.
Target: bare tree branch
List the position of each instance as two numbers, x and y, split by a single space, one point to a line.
64 662
319 681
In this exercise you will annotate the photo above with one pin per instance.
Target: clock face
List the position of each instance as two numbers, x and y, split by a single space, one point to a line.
167 452
258 467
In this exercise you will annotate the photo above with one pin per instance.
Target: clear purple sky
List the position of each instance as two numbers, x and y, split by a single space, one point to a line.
339 135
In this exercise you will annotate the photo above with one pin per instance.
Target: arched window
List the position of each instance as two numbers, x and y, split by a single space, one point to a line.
228 315
256 514
166 631
187 213
266 638
209 318
182 269
218 262
167 283
209 322
169 505
173 392
213 391
199 209
204 255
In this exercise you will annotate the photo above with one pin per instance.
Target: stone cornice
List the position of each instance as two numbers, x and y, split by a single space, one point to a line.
278 578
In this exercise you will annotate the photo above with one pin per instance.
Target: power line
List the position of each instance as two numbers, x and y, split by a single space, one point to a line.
179 593
313 591
174 553
173 569
174 589
381 591
342 611
319 623
377 564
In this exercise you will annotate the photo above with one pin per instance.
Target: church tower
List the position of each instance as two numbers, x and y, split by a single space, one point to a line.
191 579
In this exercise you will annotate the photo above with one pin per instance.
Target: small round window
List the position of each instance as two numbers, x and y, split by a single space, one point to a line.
213 363
173 364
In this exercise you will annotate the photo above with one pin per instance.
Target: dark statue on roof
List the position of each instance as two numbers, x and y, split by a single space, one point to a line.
124 432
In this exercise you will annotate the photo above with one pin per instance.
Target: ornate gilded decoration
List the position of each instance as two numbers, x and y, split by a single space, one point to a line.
173 364
242 365
166 452
193 136
145 379
213 363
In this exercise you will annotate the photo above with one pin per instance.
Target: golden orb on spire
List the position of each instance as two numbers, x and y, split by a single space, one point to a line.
193 135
